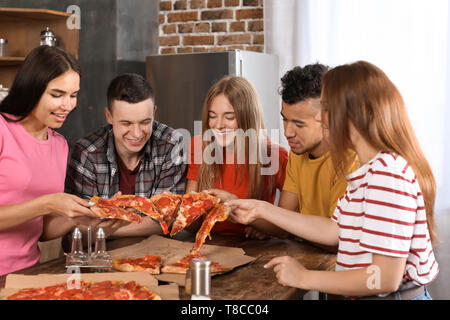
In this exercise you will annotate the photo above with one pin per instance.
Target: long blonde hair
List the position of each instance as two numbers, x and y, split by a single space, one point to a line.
362 93
248 112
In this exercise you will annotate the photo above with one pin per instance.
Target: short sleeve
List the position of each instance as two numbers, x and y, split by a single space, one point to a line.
390 206
290 182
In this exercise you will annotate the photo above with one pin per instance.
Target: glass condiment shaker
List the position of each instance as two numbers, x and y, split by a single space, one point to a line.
100 245
100 257
76 256
199 278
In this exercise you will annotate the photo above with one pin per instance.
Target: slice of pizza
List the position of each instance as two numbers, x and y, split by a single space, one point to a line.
220 212
140 204
148 263
182 265
108 210
193 205
167 204
104 290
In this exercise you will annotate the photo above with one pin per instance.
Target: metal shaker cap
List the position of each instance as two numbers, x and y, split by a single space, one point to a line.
76 234
2 41
200 263
100 234
47 33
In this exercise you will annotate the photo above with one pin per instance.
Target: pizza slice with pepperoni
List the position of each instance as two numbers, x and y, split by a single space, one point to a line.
220 212
193 205
148 263
182 265
109 210
167 204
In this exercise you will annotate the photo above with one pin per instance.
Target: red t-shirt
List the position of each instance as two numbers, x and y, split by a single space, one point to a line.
271 183
127 178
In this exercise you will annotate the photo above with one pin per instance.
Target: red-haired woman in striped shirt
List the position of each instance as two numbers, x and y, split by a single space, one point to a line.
383 225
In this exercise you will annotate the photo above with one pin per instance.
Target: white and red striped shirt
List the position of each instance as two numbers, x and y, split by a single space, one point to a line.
383 212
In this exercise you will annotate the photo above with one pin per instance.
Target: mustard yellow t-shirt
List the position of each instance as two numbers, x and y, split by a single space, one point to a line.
315 182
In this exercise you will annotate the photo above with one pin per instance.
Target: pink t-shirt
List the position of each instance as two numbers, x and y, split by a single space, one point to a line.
29 168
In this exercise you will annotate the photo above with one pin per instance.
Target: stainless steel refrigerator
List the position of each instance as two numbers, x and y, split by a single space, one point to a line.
181 82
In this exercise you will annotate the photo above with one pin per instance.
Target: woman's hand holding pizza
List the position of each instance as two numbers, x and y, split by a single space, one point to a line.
245 211
221 194
69 206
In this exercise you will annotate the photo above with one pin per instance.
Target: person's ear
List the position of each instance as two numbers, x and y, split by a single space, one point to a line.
154 111
108 116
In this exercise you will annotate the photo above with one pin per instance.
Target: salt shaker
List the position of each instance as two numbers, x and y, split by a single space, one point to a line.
76 256
100 246
200 273
101 260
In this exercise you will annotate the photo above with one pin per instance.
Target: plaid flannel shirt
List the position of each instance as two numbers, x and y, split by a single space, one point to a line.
93 168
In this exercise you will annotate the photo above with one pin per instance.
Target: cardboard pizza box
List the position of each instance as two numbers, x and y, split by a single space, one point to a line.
171 250
14 282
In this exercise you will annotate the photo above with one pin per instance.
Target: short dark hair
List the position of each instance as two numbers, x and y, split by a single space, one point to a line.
300 84
129 87
42 65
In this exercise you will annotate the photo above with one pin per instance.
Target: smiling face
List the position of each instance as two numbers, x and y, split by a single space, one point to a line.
222 120
132 125
303 127
57 101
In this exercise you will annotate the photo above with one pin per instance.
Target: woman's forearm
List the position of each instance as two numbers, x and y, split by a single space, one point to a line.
16 214
312 228
384 275
55 227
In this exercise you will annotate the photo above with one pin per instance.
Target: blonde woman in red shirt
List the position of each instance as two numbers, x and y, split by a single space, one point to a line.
235 159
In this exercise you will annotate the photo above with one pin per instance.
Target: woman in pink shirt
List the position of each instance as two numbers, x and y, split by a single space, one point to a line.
33 158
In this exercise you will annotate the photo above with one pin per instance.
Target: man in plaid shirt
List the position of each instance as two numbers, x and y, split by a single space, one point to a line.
133 154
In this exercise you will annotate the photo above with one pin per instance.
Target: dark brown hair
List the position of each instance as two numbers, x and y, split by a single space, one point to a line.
42 65
129 87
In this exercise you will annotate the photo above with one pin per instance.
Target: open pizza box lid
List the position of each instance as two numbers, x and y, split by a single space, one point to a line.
171 250
14 282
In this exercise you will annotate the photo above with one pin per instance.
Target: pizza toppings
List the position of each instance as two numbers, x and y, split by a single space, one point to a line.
148 263
193 205
182 265
164 207
105 290
220 212
110 210
167 204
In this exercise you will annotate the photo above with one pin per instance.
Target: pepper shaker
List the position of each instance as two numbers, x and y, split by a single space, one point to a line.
200 273
76 256
101 259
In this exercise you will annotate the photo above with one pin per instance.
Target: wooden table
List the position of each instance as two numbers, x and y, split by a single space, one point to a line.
249 282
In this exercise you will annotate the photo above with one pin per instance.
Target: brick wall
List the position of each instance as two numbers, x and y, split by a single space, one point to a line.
187 26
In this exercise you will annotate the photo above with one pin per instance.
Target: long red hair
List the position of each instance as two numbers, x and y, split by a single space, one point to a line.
362 93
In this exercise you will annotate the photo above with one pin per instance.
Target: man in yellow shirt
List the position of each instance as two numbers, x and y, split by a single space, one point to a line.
311 186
